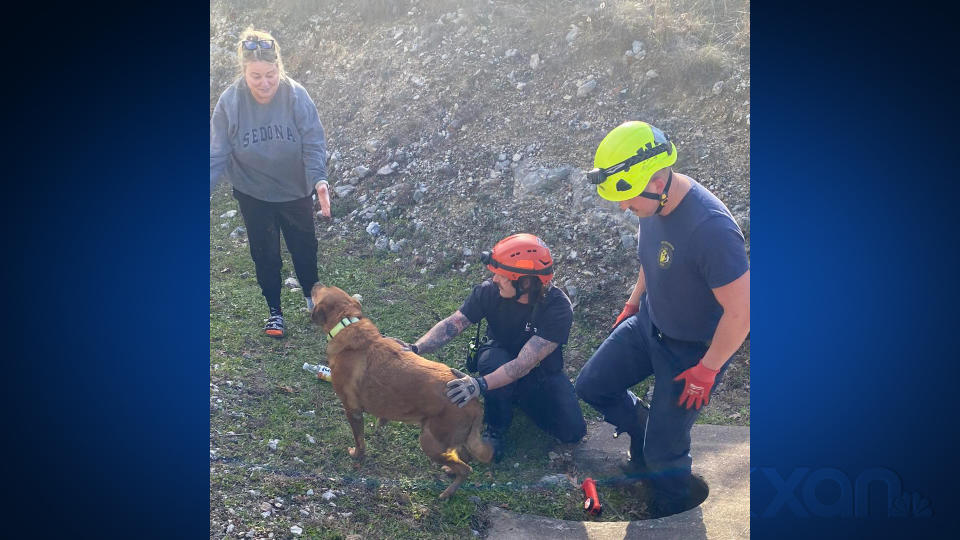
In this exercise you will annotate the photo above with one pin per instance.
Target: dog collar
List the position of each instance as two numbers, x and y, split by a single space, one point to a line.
345 322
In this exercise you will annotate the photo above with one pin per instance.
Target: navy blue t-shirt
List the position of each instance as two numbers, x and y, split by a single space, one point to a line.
696 248
511 324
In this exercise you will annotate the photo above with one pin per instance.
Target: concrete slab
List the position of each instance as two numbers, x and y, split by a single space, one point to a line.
721 454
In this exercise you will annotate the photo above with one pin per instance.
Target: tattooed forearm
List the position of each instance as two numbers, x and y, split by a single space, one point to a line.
535 350
443 332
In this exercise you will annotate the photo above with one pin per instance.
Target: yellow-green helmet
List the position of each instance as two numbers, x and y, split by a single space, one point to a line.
627 158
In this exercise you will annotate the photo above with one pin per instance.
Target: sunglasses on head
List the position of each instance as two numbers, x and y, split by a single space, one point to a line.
253 44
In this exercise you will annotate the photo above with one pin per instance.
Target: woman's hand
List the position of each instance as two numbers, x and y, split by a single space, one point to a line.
323 197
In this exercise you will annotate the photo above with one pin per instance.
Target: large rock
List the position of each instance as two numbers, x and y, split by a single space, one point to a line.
541 180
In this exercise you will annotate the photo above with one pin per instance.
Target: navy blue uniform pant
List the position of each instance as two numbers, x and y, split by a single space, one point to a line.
634 351
547 398
264 221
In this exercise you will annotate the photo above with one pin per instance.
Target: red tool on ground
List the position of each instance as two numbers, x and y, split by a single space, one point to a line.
592 503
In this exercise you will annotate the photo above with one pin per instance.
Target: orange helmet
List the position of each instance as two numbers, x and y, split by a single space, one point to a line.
520 255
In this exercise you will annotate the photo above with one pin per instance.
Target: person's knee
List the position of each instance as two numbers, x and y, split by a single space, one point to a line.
584 389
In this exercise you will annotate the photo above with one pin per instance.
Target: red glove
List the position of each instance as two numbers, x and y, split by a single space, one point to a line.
699 382
628 310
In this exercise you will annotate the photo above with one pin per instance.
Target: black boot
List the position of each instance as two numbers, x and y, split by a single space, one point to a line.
693 490
495 439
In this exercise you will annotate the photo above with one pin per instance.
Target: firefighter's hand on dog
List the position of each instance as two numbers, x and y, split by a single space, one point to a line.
462 390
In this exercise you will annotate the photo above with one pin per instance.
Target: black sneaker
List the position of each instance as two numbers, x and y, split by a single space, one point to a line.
274 326
495 439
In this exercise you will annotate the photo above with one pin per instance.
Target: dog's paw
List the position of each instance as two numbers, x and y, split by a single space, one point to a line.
356 454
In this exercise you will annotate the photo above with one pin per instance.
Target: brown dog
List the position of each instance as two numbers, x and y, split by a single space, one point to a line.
374 374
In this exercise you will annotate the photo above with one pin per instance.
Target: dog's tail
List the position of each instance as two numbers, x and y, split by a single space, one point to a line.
478 448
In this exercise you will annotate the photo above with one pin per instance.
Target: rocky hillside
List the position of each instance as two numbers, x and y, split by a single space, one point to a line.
453 124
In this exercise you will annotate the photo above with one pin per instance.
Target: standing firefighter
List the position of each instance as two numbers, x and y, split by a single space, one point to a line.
687 315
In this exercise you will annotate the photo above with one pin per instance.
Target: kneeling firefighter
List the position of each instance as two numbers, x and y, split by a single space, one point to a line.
520 360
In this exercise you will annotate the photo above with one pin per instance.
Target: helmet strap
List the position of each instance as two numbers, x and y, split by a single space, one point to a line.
520 290
662 197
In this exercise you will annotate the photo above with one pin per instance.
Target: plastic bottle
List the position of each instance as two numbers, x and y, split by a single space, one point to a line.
322 371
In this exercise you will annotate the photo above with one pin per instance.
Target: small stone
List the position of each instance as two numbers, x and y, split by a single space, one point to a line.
310 492
228 214
291 282
328 495
361 171
510 53
230 528
296 530
517 157
388 169
717 88
382 243
534 61
371 145
553 479
652 74
467 252
373 228
573 255
273 443
343 190
311 440
586 88
357 297
572 34
239 232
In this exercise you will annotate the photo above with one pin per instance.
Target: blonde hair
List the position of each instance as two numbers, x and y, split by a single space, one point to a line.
271 56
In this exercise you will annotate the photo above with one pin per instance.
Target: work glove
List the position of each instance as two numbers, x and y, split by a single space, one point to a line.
462 390
323 198
698 383
628 310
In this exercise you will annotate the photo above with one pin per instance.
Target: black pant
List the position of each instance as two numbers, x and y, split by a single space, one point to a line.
547 398
264 222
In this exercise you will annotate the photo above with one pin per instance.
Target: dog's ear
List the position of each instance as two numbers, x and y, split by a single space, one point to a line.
317 315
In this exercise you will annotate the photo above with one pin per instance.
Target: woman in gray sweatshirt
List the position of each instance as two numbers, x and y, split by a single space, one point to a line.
266 136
